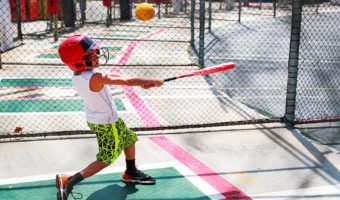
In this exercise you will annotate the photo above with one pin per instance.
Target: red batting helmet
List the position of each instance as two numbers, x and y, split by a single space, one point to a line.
73 49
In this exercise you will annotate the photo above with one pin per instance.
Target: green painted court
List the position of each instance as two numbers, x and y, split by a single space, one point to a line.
22 95
73 105
170 185
43 82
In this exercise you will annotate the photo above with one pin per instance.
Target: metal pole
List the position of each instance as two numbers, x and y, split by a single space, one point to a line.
0 60
192 20
109 16
239 11
55 21
209 23
159 10
18 12
114 10
82 6
201 33
293 62
50 22
166 7
274 2
28 10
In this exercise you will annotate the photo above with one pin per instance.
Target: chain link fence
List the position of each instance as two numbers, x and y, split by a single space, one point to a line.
256 36
280 74
318 83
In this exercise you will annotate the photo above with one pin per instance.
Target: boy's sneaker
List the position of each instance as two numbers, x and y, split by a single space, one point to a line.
63 191
61 182
138 178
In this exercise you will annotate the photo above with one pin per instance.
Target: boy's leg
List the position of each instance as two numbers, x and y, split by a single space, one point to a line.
93 168
130 152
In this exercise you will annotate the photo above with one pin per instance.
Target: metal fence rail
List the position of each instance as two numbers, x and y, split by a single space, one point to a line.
286 55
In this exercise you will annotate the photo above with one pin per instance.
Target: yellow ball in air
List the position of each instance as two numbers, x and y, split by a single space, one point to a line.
144 11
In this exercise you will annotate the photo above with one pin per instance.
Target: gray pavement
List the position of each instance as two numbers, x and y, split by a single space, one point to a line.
265 161
326 133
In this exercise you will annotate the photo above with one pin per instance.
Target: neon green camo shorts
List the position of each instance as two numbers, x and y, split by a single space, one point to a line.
112 139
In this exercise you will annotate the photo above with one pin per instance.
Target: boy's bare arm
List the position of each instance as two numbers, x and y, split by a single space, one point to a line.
99 80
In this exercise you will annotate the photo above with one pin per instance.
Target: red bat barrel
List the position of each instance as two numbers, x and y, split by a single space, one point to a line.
209 70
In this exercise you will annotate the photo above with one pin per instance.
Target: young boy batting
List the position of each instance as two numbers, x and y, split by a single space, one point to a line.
81 55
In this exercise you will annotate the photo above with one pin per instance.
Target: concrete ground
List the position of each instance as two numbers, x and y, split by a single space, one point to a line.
264 161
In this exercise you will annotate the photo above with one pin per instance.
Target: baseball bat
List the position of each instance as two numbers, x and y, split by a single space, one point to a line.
209 70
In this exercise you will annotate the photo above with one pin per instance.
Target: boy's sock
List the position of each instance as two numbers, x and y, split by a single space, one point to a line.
73 180
131 167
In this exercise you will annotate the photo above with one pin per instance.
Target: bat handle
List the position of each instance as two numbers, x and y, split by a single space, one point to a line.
170 79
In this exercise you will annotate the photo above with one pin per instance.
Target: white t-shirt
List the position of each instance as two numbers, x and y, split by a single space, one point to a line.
99 106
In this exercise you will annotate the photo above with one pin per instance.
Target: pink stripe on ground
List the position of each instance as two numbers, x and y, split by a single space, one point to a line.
148 118
226 189
126 55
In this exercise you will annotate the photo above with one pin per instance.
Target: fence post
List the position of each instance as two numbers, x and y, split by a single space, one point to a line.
201 34
239 11
0 60
293 62
82 6
55 22
274 4
209 24
159 8
18 15
109 15
192 20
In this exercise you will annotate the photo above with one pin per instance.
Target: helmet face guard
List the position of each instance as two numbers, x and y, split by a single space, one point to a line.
79 52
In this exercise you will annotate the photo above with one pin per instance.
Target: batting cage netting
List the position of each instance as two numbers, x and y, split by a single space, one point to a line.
286 54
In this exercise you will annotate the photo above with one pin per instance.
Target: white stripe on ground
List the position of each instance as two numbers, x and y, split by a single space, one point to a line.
328 190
